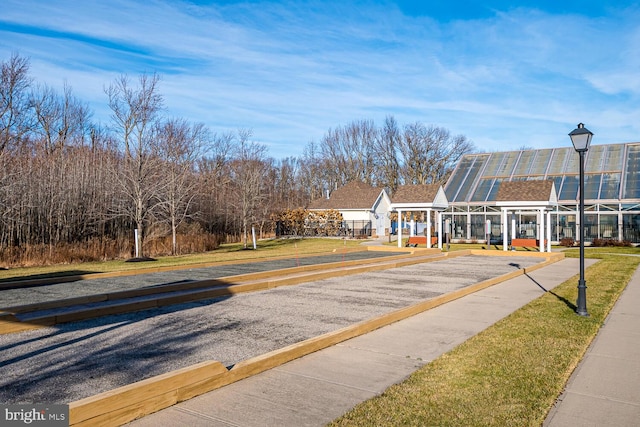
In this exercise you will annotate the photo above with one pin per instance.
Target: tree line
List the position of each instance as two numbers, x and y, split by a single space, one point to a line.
70 185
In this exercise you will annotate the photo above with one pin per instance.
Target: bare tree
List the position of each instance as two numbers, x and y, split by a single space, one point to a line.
348 152
314 178
135 112
249 169
287 185
214 170
15 117
180 144
428 153
386 147
59 119
15 123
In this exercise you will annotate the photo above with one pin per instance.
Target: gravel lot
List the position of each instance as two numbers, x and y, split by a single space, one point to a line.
72 361
18 296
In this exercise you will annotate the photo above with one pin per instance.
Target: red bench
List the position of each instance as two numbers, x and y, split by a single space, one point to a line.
526 243
421 240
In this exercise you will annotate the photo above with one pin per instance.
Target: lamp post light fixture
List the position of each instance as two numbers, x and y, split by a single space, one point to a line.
581 139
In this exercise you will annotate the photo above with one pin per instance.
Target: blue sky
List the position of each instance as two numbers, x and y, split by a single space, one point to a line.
505 74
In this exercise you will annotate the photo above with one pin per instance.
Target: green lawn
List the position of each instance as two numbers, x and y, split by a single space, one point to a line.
228 252
511 373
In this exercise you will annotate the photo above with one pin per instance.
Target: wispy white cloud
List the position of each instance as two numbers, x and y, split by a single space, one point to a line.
291 70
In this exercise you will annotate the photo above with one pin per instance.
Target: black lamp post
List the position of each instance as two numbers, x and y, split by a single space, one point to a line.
581 138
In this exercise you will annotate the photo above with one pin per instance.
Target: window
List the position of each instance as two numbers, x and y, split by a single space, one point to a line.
541 162
525 162
609 226
592 186
632 184
459 226
610 186
558 160
595 157
614 159
570 188
631 227
462 185
480 195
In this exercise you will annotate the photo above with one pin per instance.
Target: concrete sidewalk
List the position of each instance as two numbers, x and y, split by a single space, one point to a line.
605 388
315 389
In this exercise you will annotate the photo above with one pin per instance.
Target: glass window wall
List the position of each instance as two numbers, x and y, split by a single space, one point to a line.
595 157
477 227
524 163
590 227
609 226
558 161
541 162
612 177
493 164
610 186
468 182
570 188
528 227
506 168
632 185
494 190
496 227
567 227
480 195
615 158
573 162
459 226
592 186
458 177
631 227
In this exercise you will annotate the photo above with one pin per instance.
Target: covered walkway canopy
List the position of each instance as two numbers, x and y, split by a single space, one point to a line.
427 197
533 196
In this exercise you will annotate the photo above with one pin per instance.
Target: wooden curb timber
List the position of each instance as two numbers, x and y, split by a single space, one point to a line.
124 404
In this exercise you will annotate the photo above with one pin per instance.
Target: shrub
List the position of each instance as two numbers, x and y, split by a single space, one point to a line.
567 242
609 243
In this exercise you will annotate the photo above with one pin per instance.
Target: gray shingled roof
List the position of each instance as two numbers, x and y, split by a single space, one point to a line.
355 195
525 191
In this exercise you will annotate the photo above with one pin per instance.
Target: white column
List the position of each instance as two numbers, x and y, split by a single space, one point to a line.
541 230
505 229
439 219
399 228
428 228
412 226
620 225
549 231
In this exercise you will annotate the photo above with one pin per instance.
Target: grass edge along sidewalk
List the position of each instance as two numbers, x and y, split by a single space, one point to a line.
511 373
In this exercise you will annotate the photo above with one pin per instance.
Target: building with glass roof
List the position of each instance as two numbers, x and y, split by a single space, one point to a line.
612 192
